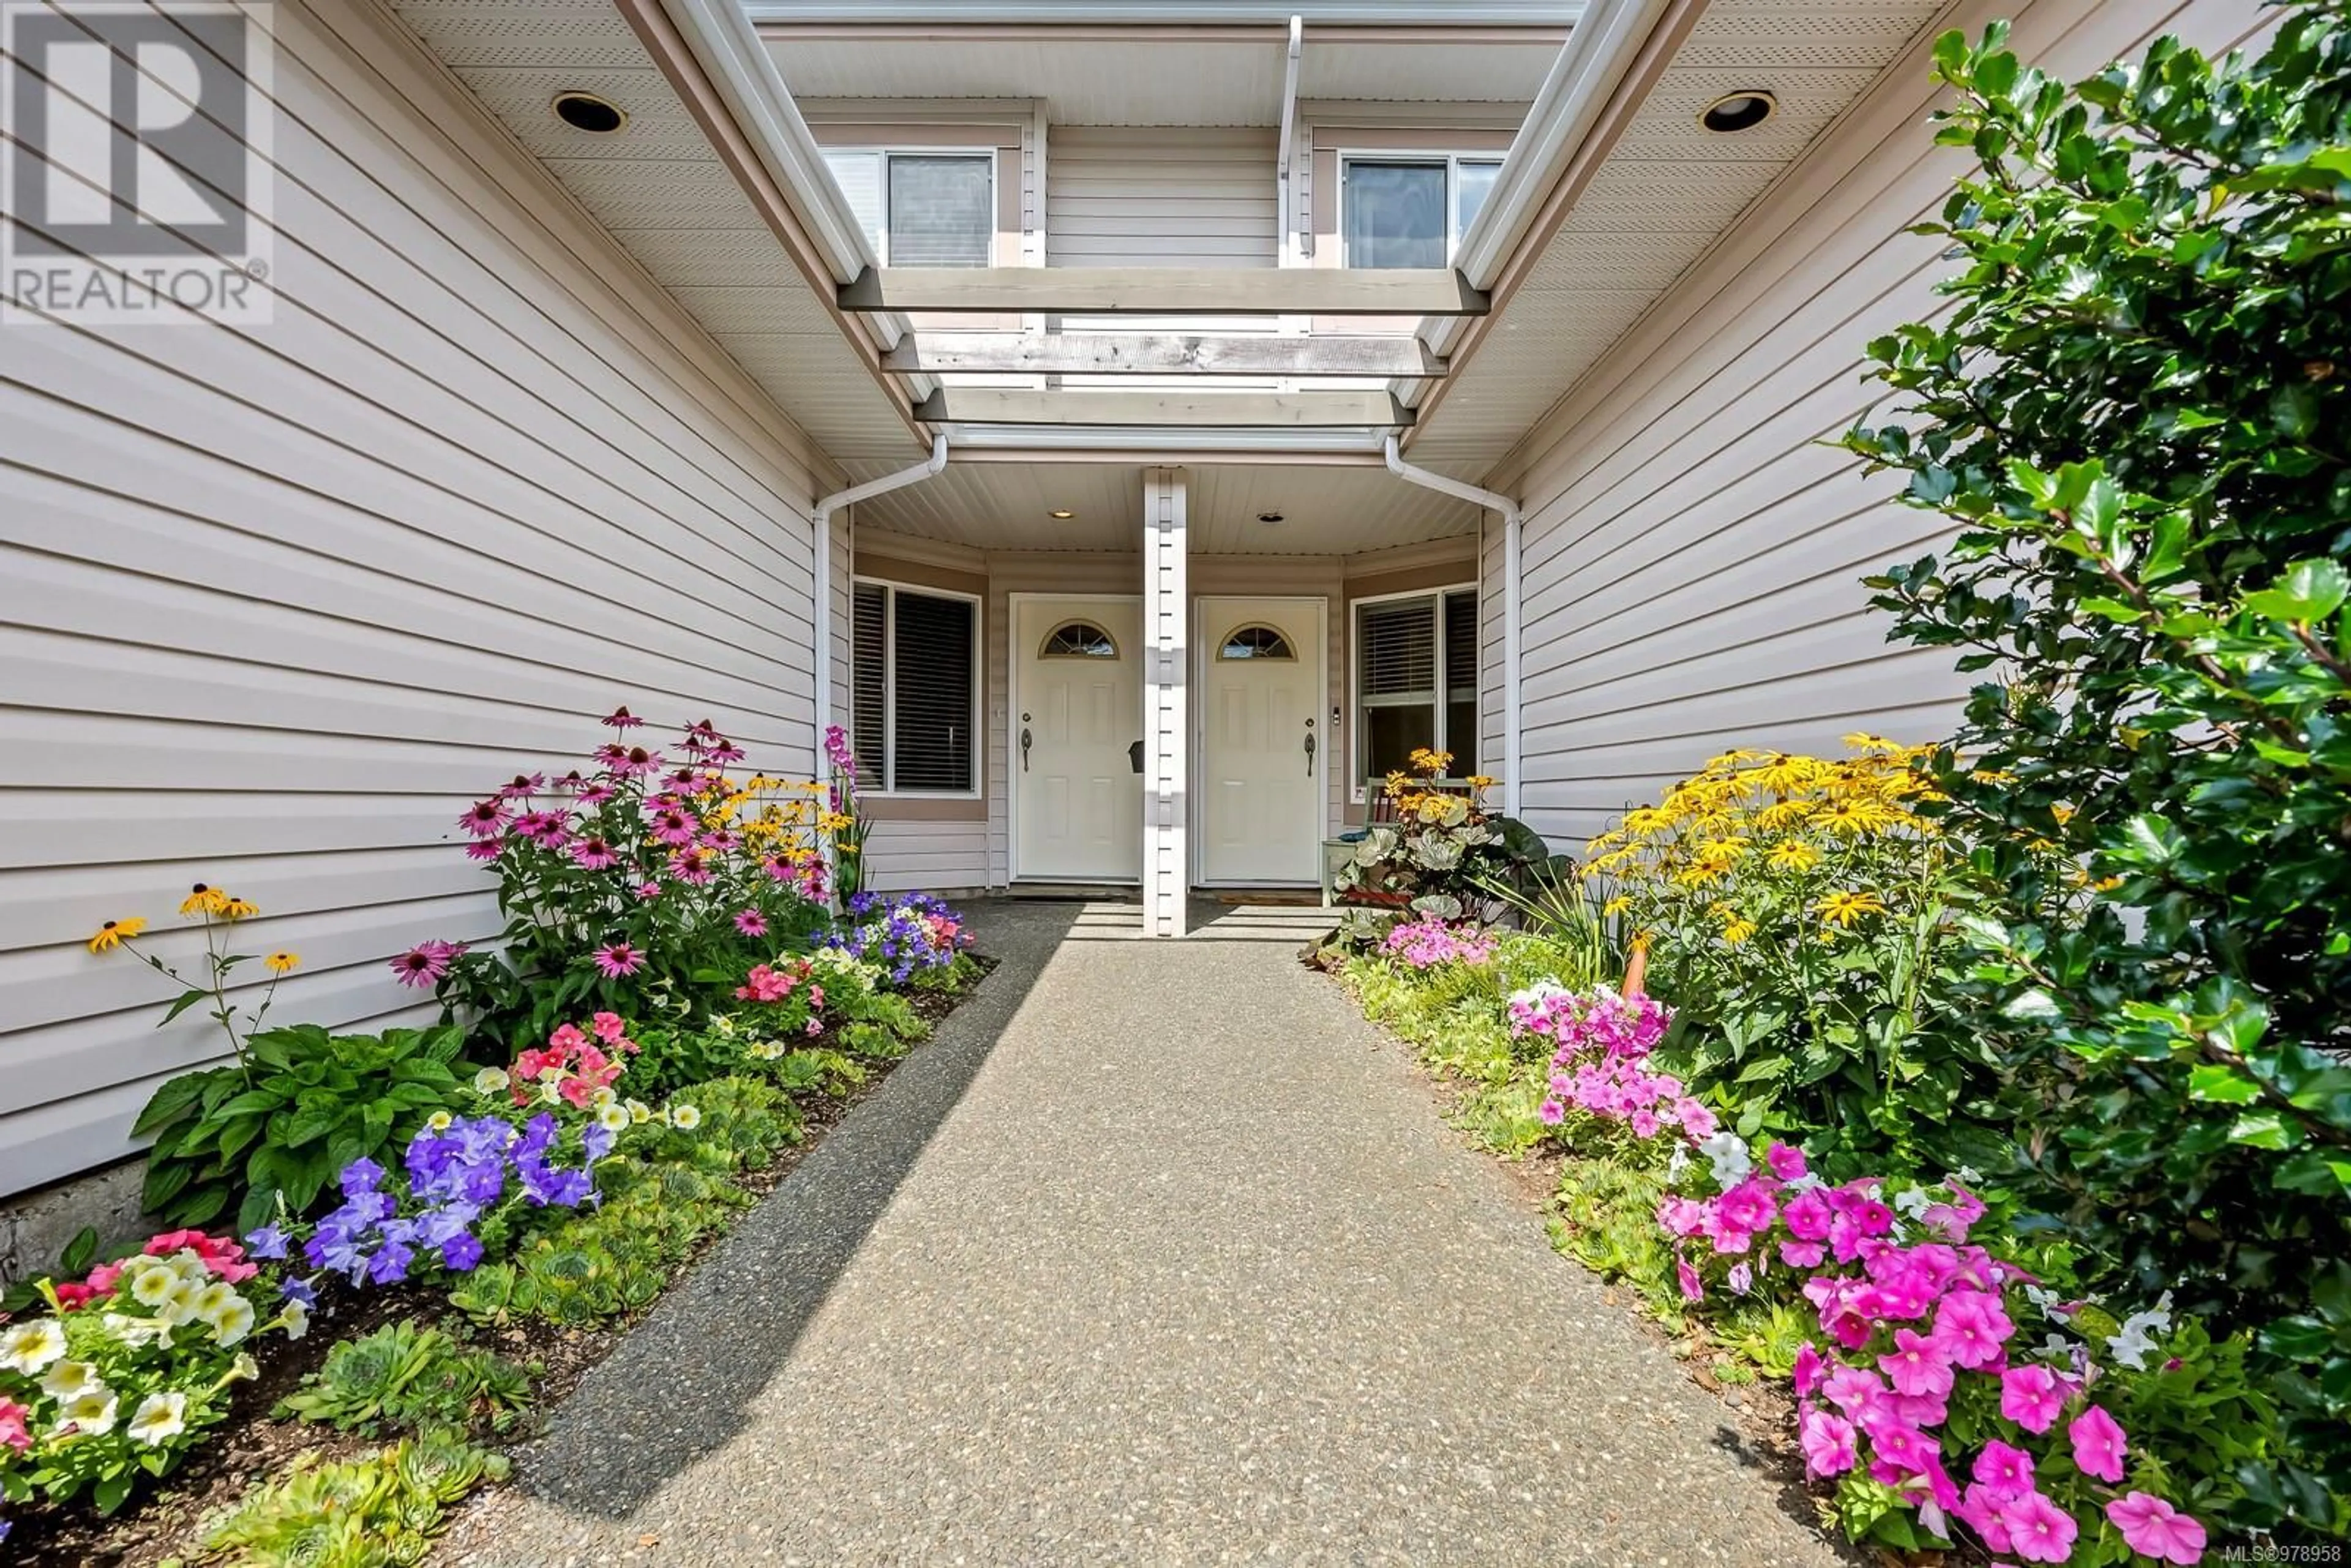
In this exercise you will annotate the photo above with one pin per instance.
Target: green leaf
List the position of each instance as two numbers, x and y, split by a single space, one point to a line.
174 1098
2218 1085
185 1001
2264 1130
2310 591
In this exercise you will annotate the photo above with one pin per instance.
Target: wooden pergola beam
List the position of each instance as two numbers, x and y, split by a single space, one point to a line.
1178 410
1162 354
1165 291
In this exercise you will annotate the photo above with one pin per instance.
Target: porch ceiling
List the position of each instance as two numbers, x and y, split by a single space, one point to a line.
1325 510
670 200
1654 205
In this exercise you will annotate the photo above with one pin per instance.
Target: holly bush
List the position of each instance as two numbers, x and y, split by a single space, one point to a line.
2135 410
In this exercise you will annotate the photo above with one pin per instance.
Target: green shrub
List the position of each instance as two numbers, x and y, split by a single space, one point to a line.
235 1140
1439 859
2134 413
413 1378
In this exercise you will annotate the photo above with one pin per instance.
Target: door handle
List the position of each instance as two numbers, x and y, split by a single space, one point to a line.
1134 756
1025 739
1310 753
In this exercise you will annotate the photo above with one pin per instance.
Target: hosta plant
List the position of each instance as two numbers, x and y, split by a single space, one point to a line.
2131 414
236 1143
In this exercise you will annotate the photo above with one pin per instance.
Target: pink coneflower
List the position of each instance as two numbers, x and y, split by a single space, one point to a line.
484 818
484 849
596 794
719 841
521 784
622 718
685 780
726 750
539 826
675 827
690 866
611 752
636 761
648 890
750 923
572 780
780 868
618 960
594 854
425 963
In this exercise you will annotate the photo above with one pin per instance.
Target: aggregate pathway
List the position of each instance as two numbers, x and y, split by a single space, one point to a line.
1156 1254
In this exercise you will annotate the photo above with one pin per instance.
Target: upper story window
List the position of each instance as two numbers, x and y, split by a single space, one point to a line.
1410 209
921 209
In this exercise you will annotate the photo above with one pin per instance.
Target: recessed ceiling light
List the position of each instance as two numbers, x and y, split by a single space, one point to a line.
1062 513
1268 516
1741 110
586 111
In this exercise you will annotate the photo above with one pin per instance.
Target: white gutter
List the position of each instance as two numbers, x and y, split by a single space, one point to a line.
1287 232
821 516
1594 58
1496 501
729 50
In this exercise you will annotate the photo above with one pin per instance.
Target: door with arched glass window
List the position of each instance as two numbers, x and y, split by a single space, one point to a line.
1264 749
1077 726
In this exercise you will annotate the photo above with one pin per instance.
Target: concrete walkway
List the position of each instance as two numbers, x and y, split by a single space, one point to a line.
1157 1254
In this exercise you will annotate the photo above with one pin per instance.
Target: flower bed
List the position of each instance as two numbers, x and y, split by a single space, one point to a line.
442 1197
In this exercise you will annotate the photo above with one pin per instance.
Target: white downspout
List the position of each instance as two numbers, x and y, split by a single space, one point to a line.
1508 508
821 516
1288 236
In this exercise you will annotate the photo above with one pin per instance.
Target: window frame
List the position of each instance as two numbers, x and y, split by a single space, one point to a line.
886 790
1358 733
886 151
1451 161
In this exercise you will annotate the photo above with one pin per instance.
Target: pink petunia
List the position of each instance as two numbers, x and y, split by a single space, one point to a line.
2153 1528
1809 1370
1903 1446
566 1039
1786 1160
1917 1365
1972 1329
1979 1510
609 1026
618 960
1692 1287
2030 1397
1828 1444
1802 1254
2099 1443
1855 1390
750 923
12 1426
2003 1471
2038 1530
1808 1217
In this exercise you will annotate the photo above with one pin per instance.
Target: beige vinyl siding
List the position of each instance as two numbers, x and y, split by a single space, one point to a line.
1692 549
934 857
281 603
1160 196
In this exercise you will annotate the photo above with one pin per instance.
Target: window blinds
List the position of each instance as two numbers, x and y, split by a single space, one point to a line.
858 173
1397 648
871 661
931 742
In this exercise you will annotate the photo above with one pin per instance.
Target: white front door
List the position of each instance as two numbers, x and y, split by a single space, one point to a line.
1264 739
1077 715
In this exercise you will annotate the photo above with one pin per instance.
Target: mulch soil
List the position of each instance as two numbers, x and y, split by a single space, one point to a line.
160 1523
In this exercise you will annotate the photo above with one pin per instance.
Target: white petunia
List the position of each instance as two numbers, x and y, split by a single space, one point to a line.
490 1080
132 1332
32 1348
612 1118
439 1122
214 1299
607 1095
179 1303
684 1118
1726 1153
90 1414
70 1380
295 1320
1912 1201
189 1265
639 1112
244 1369
153 1286
234 1323
1679 1163
551 1092
160 1417
723 1024
2057 1347
2137 1340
